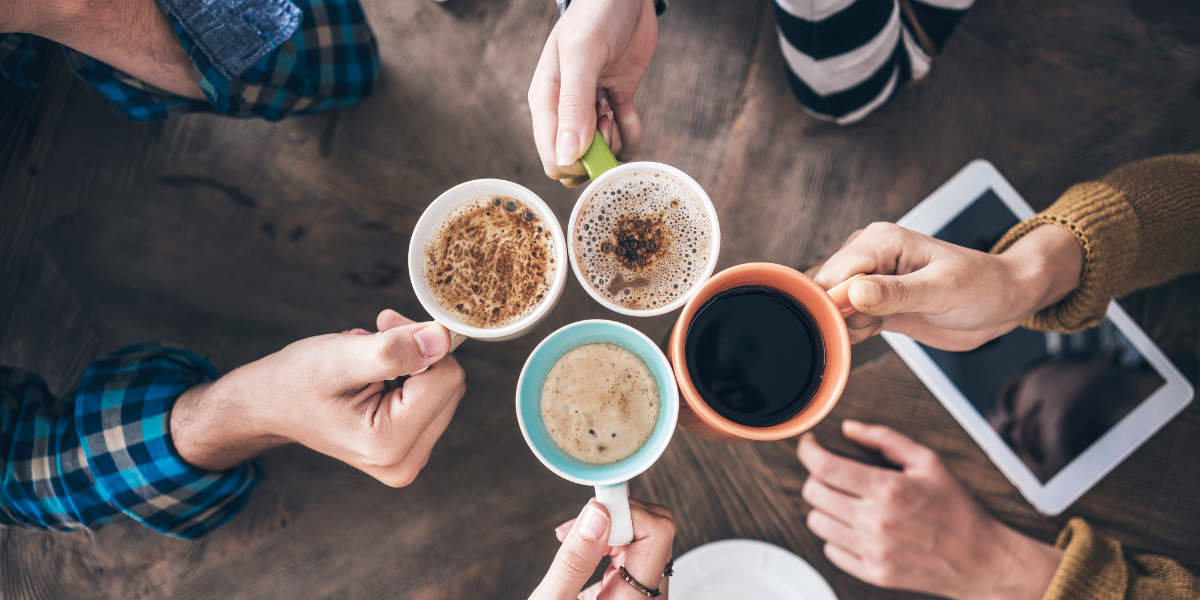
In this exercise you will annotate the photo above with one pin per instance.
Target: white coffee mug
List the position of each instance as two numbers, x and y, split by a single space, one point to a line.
600 177
427 226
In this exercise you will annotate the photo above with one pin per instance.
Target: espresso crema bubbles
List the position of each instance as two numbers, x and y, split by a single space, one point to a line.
490 261
643 240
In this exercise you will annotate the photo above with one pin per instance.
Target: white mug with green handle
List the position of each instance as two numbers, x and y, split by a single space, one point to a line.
602 166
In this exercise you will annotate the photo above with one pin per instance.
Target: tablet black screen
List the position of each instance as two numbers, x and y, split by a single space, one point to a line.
1048 395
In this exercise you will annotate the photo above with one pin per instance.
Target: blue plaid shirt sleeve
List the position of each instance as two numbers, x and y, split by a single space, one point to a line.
109 456
329 62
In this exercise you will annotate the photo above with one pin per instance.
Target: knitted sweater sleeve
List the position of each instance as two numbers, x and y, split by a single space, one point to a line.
1139 226
1093 568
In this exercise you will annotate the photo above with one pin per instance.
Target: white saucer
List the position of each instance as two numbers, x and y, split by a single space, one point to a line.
734 569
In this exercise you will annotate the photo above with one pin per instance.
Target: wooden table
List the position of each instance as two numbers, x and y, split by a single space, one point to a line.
234 238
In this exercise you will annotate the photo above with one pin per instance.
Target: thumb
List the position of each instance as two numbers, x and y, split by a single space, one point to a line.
396 352
896 447
883 295
576 105
585 545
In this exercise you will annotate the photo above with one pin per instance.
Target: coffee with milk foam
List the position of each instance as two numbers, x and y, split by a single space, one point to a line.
600 403
643 240
490 262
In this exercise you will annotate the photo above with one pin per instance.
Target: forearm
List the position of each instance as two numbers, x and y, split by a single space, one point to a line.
133 36
110 454
215 425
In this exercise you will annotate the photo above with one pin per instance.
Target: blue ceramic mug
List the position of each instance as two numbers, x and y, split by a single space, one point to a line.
610 479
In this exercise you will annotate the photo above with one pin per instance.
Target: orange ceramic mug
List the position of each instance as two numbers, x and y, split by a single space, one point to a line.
828 309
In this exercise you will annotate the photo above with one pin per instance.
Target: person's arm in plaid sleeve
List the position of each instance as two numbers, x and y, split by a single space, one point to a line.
133 36
155 436
55 479
153 59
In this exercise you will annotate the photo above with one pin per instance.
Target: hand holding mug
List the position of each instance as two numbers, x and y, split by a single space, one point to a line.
335 394
948 296
597 44
917 528
585 544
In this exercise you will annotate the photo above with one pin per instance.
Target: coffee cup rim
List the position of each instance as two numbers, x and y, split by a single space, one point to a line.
573 469
431 218
710 212
829 320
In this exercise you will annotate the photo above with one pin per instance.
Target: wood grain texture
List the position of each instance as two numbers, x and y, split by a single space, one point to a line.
234 238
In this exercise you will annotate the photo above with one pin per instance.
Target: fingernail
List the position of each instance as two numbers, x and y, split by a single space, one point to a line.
851 425
869 293
567 148
430 341
592 523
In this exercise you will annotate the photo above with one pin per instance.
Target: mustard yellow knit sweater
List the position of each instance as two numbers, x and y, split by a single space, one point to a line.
1139 226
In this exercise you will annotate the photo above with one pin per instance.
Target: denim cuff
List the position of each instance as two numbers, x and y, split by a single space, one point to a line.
235 34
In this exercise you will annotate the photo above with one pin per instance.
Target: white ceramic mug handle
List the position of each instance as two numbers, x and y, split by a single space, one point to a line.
616 499
456 340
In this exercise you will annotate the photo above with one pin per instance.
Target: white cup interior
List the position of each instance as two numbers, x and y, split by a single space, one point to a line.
427 225
705 201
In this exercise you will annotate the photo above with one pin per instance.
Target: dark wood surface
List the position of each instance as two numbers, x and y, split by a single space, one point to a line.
234 238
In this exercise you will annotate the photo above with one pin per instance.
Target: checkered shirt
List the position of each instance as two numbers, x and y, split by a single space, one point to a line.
330 62
109 456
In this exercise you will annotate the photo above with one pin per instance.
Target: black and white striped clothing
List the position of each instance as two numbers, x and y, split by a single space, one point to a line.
847 57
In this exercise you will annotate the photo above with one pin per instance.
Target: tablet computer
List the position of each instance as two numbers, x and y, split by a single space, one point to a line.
1055 412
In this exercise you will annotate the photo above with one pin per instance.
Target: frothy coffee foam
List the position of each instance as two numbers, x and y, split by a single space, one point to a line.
643 240
600 403
490 261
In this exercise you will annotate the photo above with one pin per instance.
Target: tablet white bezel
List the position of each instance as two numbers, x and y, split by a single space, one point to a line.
1051 498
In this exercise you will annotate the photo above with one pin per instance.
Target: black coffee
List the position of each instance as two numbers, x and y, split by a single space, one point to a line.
755 355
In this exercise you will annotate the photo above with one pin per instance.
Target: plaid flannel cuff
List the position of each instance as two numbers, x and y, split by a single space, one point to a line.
122 411
45 483
330 62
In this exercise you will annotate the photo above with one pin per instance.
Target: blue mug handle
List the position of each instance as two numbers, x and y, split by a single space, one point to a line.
615 498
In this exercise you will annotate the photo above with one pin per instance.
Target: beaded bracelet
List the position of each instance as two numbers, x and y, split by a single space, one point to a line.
667 572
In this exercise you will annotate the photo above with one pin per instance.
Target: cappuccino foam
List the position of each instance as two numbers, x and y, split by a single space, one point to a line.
643 240
600 403
490 261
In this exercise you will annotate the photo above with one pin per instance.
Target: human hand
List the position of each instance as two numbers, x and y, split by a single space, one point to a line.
585 543
335 394
597 44
948 296
917 528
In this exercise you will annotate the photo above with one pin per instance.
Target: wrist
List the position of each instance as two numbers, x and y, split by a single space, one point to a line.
1044 266
1021 570
214 425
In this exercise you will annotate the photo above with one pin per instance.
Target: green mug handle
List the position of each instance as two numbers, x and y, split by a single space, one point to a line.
598 159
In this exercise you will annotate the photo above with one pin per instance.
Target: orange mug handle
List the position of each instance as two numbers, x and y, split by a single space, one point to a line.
841 296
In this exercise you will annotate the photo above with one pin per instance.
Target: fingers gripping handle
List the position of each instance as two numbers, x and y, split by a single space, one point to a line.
616 499
841 296
456 340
